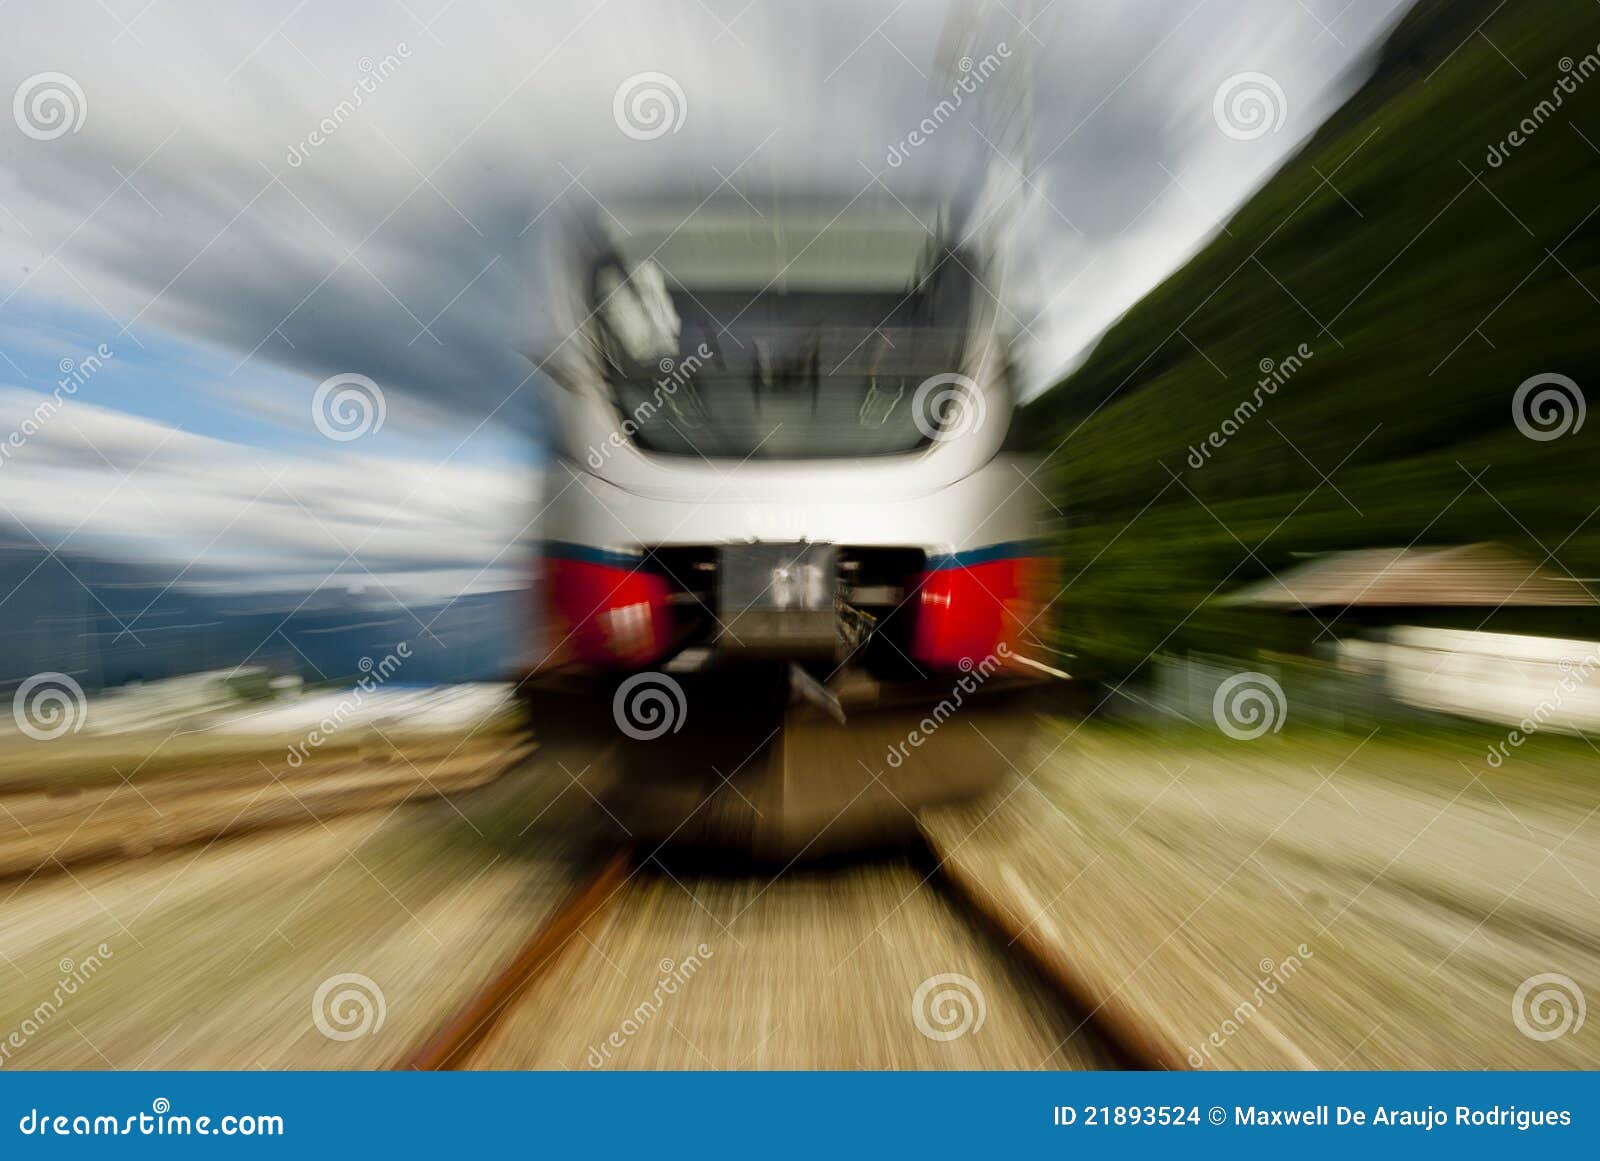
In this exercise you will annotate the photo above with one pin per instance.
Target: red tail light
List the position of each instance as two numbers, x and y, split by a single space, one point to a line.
969 604
603 609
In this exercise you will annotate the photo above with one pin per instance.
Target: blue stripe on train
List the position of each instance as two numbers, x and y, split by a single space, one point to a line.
566 550
1008 550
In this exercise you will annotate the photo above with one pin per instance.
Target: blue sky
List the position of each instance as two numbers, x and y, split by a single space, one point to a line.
148 201
203 389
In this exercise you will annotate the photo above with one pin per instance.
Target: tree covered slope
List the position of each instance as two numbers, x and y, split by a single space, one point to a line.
1434 246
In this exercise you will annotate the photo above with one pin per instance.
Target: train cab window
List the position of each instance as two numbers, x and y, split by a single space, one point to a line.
799 375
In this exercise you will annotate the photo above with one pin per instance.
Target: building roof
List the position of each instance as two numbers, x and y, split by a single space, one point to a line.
1452 577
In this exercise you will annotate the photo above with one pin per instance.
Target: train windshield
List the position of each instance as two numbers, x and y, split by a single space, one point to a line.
810 347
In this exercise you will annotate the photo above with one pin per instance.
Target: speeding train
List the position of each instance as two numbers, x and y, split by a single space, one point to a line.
780 478
781 435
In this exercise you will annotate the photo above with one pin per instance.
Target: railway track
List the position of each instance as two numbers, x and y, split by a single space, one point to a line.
898 961
452 1046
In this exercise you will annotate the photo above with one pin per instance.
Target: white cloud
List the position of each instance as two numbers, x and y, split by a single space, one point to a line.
419 193
251 517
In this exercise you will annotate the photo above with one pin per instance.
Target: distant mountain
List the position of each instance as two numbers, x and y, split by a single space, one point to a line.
108 623
1369 315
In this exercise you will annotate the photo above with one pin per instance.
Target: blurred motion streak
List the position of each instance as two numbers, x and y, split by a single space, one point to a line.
1037 535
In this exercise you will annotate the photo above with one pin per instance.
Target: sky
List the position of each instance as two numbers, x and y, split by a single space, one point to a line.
210 209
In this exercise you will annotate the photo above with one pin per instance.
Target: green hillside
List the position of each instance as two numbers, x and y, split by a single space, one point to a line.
1427 285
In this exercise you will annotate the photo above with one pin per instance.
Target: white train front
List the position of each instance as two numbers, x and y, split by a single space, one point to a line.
779 432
